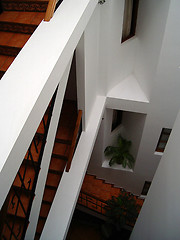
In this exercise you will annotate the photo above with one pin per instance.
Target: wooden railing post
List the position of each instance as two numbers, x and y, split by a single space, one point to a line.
50 10
73 145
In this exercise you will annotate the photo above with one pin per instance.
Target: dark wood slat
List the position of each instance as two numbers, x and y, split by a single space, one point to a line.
73 145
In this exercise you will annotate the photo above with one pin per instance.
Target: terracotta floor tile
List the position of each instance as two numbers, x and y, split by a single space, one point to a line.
8 16
5 37
38 18
7 63
18 40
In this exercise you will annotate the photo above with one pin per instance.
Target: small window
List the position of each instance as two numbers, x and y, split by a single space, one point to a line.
116 119
165 133
130 18
146 188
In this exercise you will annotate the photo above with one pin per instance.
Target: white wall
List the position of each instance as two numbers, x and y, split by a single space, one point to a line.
151 24
156 68
116 59
131 128
160 215
91 61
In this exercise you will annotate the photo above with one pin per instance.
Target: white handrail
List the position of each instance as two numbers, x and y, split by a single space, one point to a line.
28 85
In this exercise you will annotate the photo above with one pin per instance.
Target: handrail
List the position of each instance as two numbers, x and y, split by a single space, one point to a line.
50 10
95 204
75 136
92 202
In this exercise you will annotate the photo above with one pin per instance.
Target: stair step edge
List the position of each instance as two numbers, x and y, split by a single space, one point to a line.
59 156
46 202
57 172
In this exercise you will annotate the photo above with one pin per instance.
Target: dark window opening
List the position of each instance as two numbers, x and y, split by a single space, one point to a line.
130 19
117 119
146 188
165 133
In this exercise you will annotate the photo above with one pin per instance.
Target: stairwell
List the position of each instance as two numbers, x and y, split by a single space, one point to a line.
14 215
59 158
15 212
95 192
18 21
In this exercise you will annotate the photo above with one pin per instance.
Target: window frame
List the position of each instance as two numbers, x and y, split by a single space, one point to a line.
133 20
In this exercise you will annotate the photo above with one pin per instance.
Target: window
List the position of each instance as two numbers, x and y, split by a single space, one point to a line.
146 188
116 119
165 133
130 18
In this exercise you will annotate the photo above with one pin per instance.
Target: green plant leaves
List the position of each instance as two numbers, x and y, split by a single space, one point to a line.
120 154
121 209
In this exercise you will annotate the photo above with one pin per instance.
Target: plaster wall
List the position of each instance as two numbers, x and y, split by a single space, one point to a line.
91 61
164 104
116 59
151 23
157 71
160 215
131 128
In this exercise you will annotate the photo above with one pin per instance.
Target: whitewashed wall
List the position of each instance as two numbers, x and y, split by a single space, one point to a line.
152 16
160 215
116 59
154 61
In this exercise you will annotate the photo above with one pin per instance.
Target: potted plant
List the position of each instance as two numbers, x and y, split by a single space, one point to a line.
120 211
120 154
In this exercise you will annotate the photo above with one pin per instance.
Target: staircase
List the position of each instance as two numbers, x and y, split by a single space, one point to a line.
15 212
18 21
58 161
99 189
14 215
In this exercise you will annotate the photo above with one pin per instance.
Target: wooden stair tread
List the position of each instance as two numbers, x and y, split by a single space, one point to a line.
5 62
45 208
53 180
57 164
25 5
59 157
32 18
51 187
61 149
13 39
49 194
63 141
52 171
19 1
